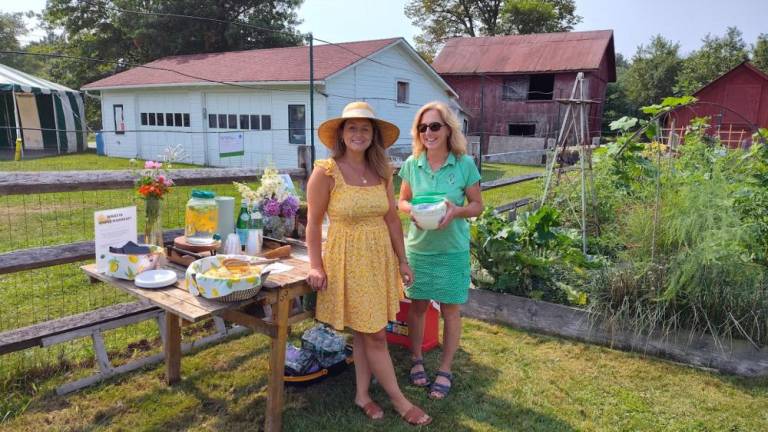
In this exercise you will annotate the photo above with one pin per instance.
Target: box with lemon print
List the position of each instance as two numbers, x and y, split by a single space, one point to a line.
127 266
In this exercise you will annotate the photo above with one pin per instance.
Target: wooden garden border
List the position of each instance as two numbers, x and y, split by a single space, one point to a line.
738 357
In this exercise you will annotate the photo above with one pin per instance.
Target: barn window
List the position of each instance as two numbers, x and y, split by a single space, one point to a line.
232 121
244 122
222 121
152 119
541 87
186 119
177 119
143 119
212 121
266 122
255 123
160 119
402 92
515 88
169 119
297 133
522 129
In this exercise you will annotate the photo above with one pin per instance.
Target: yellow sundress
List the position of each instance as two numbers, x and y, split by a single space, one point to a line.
364 286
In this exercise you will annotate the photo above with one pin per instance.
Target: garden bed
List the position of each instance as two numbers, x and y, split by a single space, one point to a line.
737 357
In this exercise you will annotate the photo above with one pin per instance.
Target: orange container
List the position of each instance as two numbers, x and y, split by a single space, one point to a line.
397 331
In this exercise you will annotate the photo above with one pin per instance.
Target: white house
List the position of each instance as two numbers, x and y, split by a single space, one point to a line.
257 102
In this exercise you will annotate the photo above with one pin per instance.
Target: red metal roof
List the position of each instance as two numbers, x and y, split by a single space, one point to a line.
533 53
745 64
276 64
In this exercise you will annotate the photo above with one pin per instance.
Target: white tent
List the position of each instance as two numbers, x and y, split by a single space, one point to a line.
46 115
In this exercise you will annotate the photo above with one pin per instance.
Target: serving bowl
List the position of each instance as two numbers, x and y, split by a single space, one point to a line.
428 211
222 284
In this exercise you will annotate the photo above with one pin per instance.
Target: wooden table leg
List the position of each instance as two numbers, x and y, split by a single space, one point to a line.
275 389
172 348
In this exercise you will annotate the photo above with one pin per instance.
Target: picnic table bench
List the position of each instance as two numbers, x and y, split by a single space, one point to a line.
279 293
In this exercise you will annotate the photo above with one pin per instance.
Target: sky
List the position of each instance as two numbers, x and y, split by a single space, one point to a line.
634 22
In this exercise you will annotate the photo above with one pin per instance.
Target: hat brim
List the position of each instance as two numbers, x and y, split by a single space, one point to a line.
329 128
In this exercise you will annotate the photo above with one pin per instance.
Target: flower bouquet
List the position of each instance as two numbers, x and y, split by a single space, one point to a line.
152 184
277 205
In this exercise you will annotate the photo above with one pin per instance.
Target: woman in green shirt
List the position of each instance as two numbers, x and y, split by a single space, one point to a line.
439 258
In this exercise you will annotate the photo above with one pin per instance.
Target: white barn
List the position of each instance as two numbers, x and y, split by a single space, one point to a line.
257 102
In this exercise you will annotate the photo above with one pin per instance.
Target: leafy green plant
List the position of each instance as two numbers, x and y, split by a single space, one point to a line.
532 256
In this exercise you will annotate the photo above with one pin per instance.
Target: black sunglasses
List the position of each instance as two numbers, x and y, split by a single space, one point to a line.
434 127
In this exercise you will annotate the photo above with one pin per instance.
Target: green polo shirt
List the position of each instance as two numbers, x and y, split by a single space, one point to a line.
451 180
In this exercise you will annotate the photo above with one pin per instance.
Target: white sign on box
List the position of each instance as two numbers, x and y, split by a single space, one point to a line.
114 228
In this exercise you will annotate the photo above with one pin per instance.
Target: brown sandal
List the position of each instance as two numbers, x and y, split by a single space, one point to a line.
417 417
373 411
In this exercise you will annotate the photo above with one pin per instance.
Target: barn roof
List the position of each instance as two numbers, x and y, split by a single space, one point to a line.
264 65
532 53
745 64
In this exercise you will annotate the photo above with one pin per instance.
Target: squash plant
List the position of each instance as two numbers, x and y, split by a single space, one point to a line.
532 256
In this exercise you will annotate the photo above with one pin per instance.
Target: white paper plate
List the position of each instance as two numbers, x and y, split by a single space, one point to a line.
155 279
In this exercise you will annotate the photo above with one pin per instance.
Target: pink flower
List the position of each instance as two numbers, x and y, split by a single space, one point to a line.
152 165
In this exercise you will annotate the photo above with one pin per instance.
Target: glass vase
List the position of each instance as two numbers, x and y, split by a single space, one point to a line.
277 227
153 224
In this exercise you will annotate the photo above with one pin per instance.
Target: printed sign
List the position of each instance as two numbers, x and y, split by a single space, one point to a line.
115 228
231 144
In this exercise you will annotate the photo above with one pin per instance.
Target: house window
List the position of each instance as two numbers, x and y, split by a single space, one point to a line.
522 129
177 119
143 119
255 123
232 121
541 87
402 92
212 121
186 119
152 119
515 88
244 122
297 133
222 121
266 122
160 119
169 119
465 127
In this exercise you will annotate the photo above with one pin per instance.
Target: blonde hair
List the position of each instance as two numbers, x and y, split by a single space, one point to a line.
457 142
374 154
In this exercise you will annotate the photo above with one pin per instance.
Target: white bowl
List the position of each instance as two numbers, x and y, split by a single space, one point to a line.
428 216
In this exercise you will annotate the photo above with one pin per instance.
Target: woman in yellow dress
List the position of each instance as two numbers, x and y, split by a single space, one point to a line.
358 272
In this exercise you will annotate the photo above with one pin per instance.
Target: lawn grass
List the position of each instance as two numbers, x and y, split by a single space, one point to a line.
75 162
507 380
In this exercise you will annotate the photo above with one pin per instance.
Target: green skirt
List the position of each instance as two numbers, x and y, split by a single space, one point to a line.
443 278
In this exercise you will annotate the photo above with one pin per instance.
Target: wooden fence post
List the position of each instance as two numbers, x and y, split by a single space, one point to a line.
304 156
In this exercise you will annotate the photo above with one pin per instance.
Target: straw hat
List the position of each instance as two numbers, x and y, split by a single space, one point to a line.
327 131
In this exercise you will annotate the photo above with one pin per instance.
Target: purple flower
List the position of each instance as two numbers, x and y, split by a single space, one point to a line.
290 206
272 207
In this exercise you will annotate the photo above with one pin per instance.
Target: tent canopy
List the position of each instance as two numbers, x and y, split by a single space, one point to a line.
48 116
18 81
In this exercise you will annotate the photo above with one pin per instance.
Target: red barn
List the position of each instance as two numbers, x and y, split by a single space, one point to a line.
509 84
736 102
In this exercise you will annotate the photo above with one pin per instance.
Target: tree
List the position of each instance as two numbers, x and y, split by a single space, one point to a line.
653 72
106 29
444 19
716 56
760 52
11 27
536 16
617 104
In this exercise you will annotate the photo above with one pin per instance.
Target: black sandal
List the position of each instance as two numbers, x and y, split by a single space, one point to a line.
418 375
441 389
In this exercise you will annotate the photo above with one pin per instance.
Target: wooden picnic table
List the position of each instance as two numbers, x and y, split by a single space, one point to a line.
278 293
